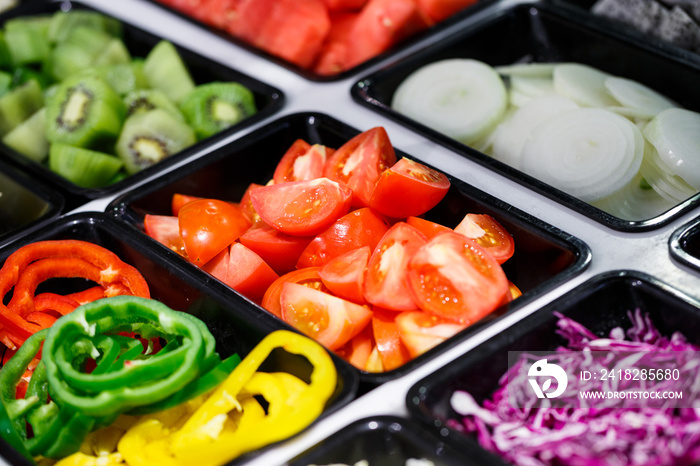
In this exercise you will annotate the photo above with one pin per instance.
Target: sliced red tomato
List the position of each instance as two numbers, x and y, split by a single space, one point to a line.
421 331
290 29
165 230
246 205
453 277
279 250
358 349
343 5
218 265
359 162
330 320
428 228
345 274
207 226
408 189
302 208
374 361
302 161
248 273
361 227
307 277
386 282
490 235
392 350
383 24
218 13
439 10
179 200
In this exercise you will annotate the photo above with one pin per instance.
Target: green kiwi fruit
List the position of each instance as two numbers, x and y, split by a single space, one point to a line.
144 100
165 70
27 39
83 167
63 22
80 50
19 104
149 137
215 106
84 111
29 137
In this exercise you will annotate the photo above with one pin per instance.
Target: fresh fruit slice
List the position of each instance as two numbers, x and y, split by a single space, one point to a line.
307 277
345 274
301 162
64 22
330 320
489 234
165 70
213 107
143 100
121 77
80 50
114 53
165 230
421 331
85 112
279 250
86 168
392 351
247 273
29 137
27 39
439 10
149 137
19 104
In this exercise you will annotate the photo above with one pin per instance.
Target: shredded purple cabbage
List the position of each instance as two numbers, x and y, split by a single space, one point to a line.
631 433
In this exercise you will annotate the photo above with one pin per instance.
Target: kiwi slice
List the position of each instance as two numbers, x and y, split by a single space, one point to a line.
122 78
80 50
84 167
165 70
149 137
63 22
28 138
215 106
144 100
5 57
6 80
114 53
84 111
27 41
19 104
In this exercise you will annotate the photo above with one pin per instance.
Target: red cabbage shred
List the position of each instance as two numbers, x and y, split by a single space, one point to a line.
632 433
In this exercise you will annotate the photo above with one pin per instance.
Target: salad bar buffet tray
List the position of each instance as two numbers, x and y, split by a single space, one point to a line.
557 252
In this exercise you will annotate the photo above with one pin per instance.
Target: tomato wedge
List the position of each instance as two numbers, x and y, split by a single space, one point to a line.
330 320
408 189
360 161
247 206
179 200
453 277
308 277
165 230
386 283
428 228
361 227
248 273
490 235
358 349
345 275
421 331
301 208
392 350
279 250
302 161
207 226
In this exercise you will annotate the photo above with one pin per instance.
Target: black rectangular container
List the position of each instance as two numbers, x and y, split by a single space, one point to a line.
236 327
600 304
385 440
25 204
544 257
316 77
543 32
684 244
268 100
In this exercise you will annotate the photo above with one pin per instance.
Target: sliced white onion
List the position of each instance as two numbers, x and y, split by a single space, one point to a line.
583 84
669 185
511 135
533 87
675 133
588 152
531 70
631 113
637 96
517 99
633 202
461 98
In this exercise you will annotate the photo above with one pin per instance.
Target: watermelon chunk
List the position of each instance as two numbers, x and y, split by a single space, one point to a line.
333 56
344 5
439 10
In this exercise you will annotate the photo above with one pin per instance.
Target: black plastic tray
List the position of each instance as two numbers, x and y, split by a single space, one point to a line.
236 327
309 74
600 304
684 244
544 257
543 32
268 100
24 203
385 440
